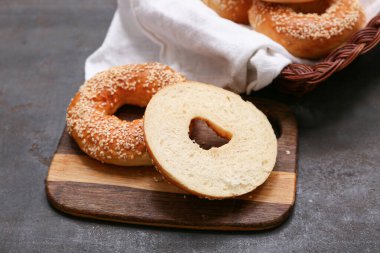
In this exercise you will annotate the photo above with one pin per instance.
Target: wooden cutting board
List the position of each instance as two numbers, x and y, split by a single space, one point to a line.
79 185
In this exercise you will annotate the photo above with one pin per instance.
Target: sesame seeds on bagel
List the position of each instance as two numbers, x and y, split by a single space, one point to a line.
90 119
308 30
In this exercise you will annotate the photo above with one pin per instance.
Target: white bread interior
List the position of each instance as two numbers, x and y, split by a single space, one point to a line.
233 169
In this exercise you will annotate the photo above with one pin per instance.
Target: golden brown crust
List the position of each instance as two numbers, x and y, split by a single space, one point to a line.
234 10
90 119
308 30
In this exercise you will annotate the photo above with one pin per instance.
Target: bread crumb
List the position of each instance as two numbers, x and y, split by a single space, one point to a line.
158 179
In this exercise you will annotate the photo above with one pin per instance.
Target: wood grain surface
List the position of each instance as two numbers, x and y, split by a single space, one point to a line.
81 186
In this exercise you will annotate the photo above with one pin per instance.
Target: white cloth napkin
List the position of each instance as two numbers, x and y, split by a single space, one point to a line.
194 40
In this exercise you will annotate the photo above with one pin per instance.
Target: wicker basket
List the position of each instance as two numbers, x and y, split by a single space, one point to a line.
299 79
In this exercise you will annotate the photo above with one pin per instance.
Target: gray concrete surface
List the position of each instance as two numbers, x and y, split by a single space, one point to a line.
43 46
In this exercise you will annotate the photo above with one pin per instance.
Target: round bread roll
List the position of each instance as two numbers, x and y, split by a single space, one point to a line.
234 10
308 30
90 119
233 169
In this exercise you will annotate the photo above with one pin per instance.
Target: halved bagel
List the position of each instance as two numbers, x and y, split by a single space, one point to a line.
233 169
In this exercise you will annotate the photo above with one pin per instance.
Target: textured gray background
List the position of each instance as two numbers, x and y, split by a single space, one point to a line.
43 45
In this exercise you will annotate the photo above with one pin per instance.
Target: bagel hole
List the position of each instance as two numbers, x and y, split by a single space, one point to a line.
129 112
317 7
207 137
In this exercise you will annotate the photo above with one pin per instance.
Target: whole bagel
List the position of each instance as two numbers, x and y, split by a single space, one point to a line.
308 30
90 119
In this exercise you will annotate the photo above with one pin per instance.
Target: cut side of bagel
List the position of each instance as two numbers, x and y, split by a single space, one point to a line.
233 169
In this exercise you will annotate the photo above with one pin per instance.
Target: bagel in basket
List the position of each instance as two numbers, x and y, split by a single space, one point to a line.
233 169
308 30
234 10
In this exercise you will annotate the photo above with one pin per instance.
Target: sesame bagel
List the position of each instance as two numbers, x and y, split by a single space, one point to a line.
234 10
90 119
308 30
233 169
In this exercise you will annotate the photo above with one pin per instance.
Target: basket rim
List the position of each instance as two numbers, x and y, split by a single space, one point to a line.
299 79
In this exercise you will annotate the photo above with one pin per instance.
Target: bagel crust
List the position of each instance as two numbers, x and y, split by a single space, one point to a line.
90 119
233 169
308 30
234 10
